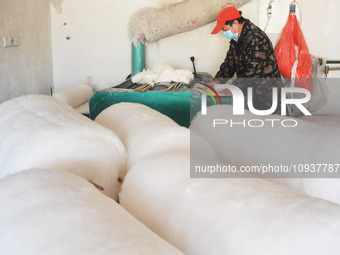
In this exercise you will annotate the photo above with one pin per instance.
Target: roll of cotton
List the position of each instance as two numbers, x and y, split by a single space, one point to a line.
39 131
238 141
54 212
75 96
227 216
325 188
144 131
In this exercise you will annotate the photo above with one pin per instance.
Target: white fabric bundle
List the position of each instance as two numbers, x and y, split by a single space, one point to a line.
300 146
144 131
40 131
157 23
227 216
76 96
54 212
163 73
147 76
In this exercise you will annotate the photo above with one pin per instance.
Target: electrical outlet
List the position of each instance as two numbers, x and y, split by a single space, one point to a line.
10 41
7 41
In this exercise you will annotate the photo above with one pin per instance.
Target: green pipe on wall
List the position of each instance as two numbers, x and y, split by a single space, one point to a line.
138 58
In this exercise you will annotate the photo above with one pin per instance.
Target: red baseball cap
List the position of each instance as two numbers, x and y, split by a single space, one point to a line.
229 13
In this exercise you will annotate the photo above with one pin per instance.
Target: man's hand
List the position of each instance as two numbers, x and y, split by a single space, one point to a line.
225 92
213 83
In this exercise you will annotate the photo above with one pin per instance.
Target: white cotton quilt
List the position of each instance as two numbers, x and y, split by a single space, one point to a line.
144 131
227 216
40 131
55 212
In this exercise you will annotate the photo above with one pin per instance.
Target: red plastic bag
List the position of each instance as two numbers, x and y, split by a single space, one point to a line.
291 47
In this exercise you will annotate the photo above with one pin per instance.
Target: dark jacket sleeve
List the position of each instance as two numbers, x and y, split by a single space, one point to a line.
259 62
251 63
227 68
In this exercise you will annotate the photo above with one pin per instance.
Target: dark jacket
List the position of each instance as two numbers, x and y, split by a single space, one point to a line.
253 60
252 56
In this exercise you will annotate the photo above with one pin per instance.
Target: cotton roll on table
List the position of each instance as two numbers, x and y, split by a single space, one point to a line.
143 130
55 212
76 97
175 105
227 216
40 131
304 145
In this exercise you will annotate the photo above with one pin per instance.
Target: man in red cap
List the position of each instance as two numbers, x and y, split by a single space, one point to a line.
250 55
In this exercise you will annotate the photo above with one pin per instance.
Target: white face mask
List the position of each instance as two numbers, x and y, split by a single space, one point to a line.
230 34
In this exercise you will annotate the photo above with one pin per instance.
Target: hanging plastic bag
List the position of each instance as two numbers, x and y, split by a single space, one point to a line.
293 56
319 89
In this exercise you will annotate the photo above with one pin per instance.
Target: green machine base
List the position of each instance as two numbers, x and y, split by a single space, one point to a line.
180 106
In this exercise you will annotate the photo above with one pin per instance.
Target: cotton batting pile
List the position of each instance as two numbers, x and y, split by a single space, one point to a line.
162 73
55 212
211 216
50 205
38 131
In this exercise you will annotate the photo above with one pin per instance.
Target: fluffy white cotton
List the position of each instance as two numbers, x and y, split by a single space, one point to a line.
227 216
183 76
166 75
163 73
147 76
144 131
54 212
40 131
325 188
242 144
200 148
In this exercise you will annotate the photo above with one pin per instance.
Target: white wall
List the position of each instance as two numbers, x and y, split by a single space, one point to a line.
27 68
319 24
99 49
